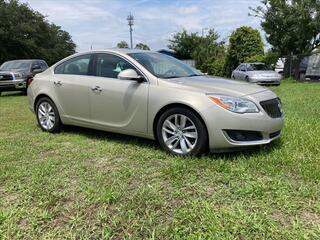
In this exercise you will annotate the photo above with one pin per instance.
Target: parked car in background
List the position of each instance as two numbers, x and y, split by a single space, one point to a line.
17 74
256 73
313 67
155 96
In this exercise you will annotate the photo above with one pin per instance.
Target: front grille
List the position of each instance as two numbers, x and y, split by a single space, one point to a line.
268 82
272 107
5 77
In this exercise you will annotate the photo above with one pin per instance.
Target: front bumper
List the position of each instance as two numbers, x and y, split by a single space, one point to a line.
218 120
17 84
266 80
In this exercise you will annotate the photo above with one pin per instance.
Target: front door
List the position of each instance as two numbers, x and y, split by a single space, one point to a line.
115 103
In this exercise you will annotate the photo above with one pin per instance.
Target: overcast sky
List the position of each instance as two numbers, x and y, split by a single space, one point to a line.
102 23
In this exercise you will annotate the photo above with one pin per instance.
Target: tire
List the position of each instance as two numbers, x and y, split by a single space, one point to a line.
192 140
302 76
247 79
46 109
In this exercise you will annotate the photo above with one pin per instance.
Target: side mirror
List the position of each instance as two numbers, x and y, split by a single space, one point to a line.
36 69
130 74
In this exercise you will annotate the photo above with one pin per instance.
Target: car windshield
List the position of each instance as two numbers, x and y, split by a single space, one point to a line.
163 66
258 67
21 64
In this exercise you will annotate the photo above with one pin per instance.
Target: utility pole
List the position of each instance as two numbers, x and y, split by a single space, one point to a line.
204 29
130 20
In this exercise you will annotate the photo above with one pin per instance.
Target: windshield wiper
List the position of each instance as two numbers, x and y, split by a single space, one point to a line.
172 77
195 75
192 75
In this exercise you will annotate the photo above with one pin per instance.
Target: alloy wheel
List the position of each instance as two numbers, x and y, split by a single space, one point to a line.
46 115
179 133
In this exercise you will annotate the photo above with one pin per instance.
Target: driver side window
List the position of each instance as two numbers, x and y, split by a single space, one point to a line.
109 66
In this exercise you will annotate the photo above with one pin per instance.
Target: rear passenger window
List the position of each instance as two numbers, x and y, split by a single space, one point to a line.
75 66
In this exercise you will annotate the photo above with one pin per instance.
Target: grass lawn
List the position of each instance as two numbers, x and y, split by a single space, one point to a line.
86 184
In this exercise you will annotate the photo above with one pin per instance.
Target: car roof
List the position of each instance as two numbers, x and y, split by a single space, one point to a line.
26 60
254 63
117 50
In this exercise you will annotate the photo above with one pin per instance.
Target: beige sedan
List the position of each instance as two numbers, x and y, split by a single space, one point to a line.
155 96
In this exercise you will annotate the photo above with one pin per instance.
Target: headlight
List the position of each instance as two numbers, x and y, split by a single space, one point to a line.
234 104
18 75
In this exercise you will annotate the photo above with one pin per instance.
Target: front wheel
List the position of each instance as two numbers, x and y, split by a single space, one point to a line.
181 132
48 116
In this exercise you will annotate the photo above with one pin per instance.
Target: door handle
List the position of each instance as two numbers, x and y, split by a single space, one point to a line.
96 89
57 83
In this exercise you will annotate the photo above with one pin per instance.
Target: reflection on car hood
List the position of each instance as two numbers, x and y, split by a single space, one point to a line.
208 84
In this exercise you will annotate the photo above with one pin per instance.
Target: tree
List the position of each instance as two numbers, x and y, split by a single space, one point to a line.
244 42
25 33
207 52
123 44
184 43
292 26
142 46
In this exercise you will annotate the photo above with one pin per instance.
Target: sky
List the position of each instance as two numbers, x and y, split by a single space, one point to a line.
102 23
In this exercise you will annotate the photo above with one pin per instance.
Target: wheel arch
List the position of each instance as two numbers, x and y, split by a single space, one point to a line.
41 95
174 105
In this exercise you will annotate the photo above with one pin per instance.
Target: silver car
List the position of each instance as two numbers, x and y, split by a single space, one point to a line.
256 73
154 96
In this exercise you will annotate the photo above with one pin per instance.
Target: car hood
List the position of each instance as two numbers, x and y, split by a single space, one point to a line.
22 71
215 85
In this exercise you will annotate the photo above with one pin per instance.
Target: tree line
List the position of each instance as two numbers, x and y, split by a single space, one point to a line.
291 27
124 44
25 33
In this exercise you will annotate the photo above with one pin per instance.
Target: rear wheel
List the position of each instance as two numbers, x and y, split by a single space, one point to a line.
181 132
302 76
48 116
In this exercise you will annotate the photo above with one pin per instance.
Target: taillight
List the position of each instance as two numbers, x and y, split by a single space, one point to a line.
29 81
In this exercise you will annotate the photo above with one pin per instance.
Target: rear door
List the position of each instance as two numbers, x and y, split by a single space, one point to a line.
71 85
236 73
117 104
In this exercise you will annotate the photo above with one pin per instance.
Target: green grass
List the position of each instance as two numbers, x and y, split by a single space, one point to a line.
86 184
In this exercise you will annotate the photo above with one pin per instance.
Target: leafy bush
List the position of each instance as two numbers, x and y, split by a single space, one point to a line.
245 42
